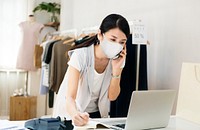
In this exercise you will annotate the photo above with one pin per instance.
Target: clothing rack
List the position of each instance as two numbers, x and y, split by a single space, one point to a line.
66 32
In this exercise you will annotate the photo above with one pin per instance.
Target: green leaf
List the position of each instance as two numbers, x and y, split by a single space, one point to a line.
53 8
36 8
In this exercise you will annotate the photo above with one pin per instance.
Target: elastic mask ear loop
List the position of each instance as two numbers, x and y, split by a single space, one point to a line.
104 36
97 40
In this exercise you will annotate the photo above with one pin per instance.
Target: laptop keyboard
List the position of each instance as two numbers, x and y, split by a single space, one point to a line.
120 125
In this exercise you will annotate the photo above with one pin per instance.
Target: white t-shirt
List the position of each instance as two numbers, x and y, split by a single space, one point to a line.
93 105
98 79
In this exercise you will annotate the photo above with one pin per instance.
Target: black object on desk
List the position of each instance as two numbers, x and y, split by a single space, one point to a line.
49 124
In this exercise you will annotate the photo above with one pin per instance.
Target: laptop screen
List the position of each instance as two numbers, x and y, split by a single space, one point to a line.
149 109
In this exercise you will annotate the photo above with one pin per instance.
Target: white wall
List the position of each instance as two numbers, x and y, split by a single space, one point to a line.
172 27
66 14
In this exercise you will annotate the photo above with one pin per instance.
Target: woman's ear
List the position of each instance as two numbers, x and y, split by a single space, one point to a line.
99 35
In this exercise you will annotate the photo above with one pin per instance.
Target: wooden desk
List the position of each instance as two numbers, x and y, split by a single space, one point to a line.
23 108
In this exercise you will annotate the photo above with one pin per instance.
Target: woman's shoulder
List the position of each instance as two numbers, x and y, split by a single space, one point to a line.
81 51
81 57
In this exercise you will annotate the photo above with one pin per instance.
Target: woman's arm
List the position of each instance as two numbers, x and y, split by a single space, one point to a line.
114 88
78 118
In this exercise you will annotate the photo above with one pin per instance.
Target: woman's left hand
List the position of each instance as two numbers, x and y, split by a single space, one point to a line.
117 63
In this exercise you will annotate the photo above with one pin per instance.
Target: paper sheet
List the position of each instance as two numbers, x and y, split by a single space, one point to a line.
9 125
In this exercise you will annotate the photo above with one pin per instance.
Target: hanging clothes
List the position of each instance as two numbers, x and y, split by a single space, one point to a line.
128 79
54 67
58 67
44 82
59 64
38 48
47 55
48 51
30 34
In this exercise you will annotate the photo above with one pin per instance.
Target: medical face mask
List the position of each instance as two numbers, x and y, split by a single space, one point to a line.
110 49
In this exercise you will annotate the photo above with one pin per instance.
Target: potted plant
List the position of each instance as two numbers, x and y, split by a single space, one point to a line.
53 8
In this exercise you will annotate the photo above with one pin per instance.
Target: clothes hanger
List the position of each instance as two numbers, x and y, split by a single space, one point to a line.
90 31
68 36
72 40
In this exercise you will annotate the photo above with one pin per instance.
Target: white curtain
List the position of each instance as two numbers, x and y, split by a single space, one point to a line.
12 12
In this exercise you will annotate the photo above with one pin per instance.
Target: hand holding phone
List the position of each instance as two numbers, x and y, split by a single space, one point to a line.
117 56
119 59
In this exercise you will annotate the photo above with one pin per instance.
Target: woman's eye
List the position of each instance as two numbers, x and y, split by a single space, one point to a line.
113 40
122 43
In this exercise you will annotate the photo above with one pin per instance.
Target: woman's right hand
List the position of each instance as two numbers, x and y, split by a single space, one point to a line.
80 119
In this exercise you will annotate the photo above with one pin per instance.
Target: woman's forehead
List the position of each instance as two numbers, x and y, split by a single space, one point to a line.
116 33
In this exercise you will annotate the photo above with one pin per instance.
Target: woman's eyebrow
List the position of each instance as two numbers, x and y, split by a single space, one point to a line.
113 36
123 40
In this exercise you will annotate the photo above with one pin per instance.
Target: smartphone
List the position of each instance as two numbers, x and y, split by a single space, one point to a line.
117 56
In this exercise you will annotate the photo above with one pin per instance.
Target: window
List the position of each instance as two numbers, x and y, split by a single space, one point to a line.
12 12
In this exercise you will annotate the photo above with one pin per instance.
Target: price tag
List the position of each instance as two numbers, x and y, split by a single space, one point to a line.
139 33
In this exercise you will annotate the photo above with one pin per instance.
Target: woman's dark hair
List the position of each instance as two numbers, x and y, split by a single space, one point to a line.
115 21
110 22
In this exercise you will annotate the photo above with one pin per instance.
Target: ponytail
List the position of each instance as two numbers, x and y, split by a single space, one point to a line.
86 42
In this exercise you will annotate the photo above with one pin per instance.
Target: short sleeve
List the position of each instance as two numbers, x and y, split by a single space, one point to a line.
77 60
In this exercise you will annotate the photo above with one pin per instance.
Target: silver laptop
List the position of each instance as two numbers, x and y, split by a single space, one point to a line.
149 109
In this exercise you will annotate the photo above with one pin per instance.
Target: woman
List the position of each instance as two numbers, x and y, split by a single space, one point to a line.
93 76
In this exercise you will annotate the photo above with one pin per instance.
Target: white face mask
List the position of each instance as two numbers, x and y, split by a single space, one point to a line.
110 49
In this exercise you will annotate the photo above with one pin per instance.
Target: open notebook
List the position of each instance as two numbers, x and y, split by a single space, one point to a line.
92 124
